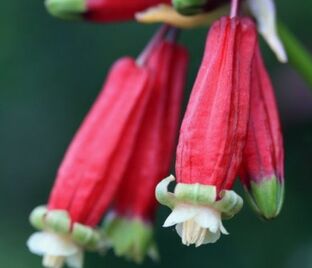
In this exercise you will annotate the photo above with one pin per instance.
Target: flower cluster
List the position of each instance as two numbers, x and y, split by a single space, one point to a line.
230 127
126 143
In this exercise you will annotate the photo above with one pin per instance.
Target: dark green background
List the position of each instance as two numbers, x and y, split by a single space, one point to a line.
50 72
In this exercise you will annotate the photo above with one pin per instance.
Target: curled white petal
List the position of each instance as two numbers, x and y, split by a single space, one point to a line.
55 249
264 11
180 214
208 218
196 224
223 230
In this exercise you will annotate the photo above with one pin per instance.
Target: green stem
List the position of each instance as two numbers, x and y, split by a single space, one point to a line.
299 57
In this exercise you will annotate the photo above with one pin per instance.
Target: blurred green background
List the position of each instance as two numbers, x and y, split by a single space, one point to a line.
51 71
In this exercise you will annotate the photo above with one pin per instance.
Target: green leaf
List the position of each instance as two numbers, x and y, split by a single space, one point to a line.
299 57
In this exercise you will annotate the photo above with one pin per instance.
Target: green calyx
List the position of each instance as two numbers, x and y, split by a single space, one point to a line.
189 7
58 222
266 197
130 238
66 9
229 203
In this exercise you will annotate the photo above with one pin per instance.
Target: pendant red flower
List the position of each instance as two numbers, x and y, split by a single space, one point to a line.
213 135
129 225
93 166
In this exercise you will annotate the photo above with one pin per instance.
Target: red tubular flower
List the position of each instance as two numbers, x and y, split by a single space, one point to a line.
100 10
96 172
129 226
263 159
213 135
93 166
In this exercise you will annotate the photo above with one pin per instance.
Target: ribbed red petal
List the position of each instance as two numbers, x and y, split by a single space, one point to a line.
214 128
117 10
151 158
92 167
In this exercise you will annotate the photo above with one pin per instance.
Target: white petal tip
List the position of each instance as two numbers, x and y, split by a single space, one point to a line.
45 243
180 214
168 223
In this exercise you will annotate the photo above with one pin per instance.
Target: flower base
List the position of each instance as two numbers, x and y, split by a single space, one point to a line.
58 222
197 210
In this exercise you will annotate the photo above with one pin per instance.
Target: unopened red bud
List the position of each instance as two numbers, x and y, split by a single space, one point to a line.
263 160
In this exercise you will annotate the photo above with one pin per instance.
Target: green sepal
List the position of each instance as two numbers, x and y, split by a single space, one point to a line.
228 202
162 194
85 236
58 221
130 238
266 197
37 216
196 193
66 9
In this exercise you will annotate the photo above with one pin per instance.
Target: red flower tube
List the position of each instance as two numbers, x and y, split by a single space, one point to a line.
100 10
263 159
92 168
129 225
213 135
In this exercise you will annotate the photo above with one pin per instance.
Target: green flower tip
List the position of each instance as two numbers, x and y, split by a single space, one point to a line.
130 238
66 9
189 7
266 197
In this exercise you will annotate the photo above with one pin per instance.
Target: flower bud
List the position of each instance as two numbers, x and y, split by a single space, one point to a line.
263 160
